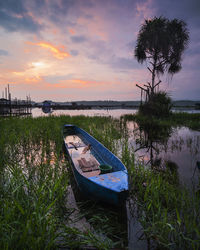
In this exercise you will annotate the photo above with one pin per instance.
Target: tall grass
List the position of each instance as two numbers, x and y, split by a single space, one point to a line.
32 190
34 178
168 213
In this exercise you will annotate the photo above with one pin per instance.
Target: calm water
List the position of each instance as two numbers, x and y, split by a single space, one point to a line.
154 147
98 112
180 146
90 112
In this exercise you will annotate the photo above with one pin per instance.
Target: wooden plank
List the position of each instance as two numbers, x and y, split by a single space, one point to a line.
86 174
92 173
88 165
91 162
84 167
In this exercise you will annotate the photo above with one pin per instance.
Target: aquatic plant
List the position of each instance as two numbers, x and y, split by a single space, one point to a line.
34 179
168 213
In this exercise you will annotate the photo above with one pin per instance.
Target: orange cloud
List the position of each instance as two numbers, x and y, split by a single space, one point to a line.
33 79
78 84
71 31
56 51
79 81
18 73
59 53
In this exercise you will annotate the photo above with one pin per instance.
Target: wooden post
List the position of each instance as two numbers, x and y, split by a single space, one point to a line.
8 90
9 99
10 103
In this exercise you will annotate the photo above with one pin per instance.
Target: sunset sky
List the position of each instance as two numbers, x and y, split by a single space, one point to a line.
66 50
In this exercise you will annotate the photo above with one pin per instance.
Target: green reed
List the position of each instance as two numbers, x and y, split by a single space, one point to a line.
34 178
168 213
32 192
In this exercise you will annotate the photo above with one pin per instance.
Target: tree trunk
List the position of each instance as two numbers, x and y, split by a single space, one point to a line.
153 72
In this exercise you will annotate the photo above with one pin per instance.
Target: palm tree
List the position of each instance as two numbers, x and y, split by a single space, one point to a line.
161 43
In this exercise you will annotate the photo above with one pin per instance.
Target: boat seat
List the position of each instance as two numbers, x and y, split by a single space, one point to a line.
75 145
88 165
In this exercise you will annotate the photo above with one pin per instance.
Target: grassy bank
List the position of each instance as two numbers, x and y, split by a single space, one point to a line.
33 183
169 215
34 178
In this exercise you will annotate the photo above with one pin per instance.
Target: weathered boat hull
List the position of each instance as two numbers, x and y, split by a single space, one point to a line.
110 187
99 192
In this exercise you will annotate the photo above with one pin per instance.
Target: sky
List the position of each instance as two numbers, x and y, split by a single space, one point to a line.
72 50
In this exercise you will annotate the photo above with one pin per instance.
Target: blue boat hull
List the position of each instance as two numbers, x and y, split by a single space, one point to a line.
110 187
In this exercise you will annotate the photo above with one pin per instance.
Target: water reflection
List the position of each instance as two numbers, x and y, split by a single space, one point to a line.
98 112
36 112
165 148
47 110
152 137
172 152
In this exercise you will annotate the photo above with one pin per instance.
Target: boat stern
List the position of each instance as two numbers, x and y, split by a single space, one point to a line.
113 187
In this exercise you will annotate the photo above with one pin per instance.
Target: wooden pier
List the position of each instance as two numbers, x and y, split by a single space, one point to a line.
15 107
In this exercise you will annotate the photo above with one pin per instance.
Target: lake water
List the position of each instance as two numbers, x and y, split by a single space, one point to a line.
36 112
116 113
178 146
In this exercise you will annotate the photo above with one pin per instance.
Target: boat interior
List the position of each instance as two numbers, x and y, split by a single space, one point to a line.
83 156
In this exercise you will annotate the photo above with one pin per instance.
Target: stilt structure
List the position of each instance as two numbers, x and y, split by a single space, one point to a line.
9 107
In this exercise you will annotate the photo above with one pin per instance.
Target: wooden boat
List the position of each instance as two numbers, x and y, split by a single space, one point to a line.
88 159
